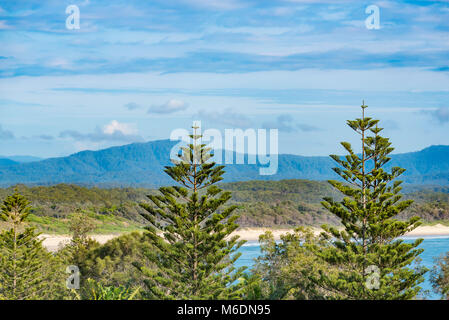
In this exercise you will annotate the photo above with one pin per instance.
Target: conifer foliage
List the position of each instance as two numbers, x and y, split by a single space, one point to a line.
190 229
26 270
372 262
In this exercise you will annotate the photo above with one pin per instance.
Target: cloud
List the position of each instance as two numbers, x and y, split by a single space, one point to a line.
319 1
282 123
221 5
307 127
227 117
4 26
389 124
286 123
44 137
441 114
6 134
333 16
115 126
114 131
241 62
171 106
132 106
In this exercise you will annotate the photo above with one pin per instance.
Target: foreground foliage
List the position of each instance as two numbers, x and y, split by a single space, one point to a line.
28 271
285 268
285 203
371 262
440 276
189 229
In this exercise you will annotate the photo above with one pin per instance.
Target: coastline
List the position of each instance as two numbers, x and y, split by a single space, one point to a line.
252 234
54 242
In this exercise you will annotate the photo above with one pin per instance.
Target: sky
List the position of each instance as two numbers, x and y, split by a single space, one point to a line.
135 71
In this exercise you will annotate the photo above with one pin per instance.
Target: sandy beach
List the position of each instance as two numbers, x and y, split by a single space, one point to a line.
436 230
252 234
53 242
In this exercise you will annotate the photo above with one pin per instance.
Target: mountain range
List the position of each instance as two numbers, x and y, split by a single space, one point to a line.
142 164
19 159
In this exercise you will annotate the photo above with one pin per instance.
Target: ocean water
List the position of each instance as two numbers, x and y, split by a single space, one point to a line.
433 246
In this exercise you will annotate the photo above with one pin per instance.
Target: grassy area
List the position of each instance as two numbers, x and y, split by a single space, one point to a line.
106 224
434 223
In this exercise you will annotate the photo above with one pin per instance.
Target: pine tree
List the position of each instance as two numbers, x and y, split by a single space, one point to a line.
190 231
440 276
372 262
94 290
26 267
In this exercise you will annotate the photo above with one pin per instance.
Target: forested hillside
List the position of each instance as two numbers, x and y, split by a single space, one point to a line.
285 203
142 164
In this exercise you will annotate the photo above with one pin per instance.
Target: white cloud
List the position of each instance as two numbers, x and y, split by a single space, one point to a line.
217 4
4 26
286 123
227 117
333 16
441 115
114 131
59 62
171 106
319 1
5 134
132 106
116 126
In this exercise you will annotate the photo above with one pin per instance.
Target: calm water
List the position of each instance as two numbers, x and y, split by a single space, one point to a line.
433 247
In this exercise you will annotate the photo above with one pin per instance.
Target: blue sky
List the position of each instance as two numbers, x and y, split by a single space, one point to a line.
136 70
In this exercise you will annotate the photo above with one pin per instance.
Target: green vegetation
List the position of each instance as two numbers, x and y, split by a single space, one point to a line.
105 224
285 269
186 250
371 262
281 204
112 264
28 270
113 210
96 291
440 276
193 255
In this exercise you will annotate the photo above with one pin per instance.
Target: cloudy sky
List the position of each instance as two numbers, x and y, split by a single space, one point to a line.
136 70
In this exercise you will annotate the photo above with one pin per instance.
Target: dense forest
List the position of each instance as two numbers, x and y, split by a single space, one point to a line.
285 203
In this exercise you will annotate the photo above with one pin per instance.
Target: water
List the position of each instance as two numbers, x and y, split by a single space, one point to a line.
433 247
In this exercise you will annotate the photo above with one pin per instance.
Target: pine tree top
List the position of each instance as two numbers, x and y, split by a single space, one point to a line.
15 209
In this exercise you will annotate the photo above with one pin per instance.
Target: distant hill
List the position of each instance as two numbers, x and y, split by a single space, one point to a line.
6 162
142 164
21 159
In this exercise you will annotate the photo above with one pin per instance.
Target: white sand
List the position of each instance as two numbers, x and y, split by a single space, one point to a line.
436 230
53 242
252 234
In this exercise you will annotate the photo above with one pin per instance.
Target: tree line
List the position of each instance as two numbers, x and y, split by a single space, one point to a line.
188 250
